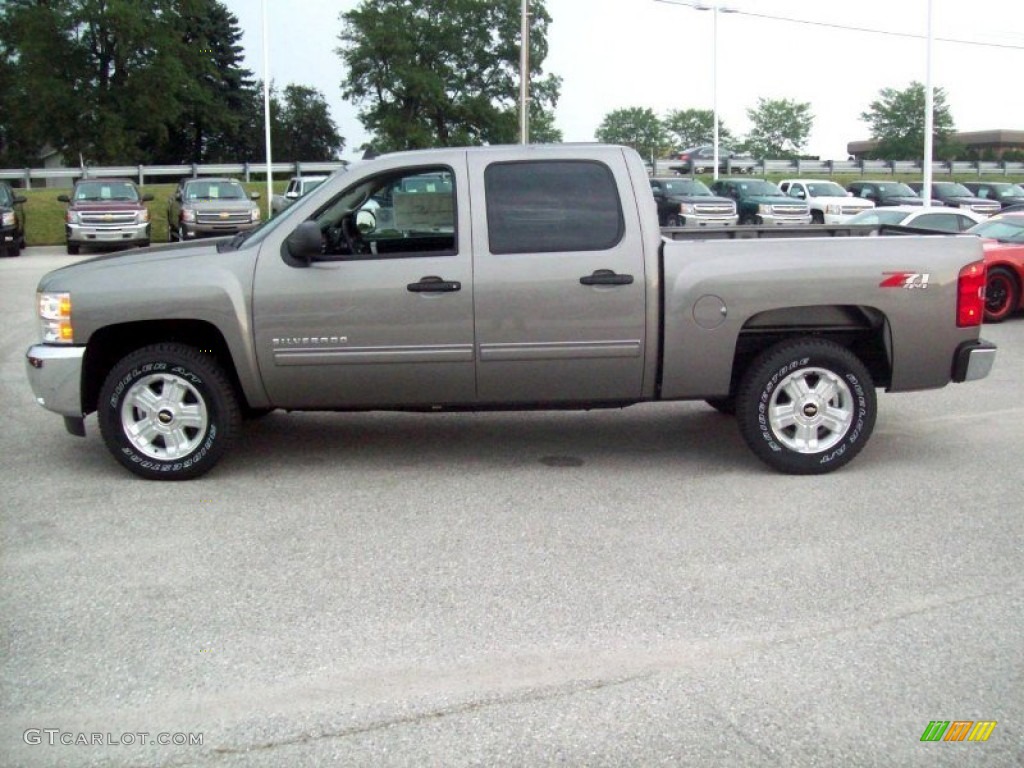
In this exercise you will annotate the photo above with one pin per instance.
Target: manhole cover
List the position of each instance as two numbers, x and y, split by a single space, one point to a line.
561 461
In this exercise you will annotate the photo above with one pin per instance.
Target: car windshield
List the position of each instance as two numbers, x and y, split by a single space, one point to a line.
6 198
825 189
878 216
896 190
1005 230
1011 192
214 190
951 189
686 187
101 191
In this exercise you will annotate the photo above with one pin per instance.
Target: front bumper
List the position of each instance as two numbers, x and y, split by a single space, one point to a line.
83 234
197 230
55 375
781 221
973 360
695 221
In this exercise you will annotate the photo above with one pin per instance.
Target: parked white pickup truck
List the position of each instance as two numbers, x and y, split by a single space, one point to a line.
829 202
501 278
297 187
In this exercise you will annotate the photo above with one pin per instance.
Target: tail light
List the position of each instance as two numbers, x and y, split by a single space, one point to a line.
970 295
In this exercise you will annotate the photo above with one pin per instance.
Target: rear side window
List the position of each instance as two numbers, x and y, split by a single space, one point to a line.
548 206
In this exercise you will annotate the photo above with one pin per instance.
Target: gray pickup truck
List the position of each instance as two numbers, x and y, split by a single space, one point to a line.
501 278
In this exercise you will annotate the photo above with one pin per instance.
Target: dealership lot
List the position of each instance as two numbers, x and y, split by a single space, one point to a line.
602 588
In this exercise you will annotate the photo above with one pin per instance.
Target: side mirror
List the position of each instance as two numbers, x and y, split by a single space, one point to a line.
20 200
304 244
254 196
63 198
147 198
366 222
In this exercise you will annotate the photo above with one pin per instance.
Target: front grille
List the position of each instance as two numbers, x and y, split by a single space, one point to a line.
107 219
223 217
714 209
790 210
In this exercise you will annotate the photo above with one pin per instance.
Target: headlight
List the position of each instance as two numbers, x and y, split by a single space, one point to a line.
8 219
55 316
764 209
255 215
71 217
143 215
833 210
188 215
686 209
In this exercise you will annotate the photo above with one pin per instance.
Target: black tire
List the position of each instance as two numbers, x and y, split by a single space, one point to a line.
806 406
747 219
817 217
724 405
179 396
73 249
1002 295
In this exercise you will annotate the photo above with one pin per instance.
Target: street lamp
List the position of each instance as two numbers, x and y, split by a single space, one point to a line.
715 9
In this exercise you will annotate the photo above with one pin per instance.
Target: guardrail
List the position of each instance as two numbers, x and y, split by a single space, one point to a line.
859 167
662 167
176 171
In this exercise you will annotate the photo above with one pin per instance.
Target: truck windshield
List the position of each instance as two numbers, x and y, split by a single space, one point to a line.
760 188
97 191
951 189
215 190
825 189
1004 230
686 187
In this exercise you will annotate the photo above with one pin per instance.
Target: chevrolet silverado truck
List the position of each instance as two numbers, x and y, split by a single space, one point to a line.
105 213
759 201
689 203
501 278
829 202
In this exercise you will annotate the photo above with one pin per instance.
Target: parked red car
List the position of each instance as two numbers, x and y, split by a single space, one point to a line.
1004 256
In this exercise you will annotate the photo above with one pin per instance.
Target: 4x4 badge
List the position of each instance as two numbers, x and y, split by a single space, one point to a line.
909 280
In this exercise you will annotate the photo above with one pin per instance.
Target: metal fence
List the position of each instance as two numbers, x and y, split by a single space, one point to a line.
141 172
859 167
662 167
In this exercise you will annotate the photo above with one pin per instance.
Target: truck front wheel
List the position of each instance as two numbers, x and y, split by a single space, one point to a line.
168 412
806 406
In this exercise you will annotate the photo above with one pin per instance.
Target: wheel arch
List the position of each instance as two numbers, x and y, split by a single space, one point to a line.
110 344
863 330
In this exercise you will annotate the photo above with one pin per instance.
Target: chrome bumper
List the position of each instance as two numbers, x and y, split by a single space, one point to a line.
973 360
55 374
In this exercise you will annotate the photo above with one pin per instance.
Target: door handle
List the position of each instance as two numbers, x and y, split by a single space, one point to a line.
434 284
606 277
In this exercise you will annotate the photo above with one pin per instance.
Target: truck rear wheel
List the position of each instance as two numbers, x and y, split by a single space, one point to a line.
168 412
806 406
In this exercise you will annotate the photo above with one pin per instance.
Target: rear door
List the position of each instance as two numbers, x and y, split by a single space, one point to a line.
558 279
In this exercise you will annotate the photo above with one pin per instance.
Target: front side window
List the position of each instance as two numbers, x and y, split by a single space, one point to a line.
399 214
550 206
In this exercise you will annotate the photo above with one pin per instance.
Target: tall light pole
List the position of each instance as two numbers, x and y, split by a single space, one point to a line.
266 103
524 75
929 117
715 10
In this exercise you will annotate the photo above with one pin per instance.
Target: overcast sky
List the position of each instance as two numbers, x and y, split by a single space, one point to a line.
613 54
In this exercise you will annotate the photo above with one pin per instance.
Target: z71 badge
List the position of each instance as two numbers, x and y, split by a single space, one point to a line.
909 280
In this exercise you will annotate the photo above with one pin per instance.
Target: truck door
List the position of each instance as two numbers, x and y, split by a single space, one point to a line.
560 288
384 317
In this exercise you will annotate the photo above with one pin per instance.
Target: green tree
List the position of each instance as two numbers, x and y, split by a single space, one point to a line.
693 127
636 127
897 122
305 128
780 128
442 72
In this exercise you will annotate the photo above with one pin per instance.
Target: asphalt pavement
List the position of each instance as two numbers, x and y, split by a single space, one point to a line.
607 588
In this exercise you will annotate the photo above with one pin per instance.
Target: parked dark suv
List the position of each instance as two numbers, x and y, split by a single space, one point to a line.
12 221
759 201
1003 192
958 196
105 213
689 203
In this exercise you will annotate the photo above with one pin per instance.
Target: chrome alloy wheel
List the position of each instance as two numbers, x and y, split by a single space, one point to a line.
811 410
164 416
